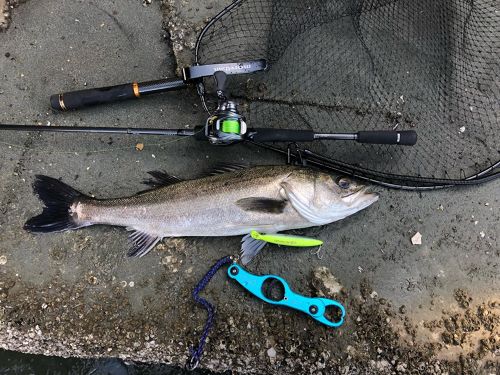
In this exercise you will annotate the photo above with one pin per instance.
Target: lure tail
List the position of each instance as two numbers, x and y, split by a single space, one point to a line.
57 215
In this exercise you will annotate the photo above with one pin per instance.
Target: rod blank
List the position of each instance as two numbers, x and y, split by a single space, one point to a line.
94 130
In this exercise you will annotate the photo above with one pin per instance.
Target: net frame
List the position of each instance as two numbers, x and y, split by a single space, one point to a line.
216 32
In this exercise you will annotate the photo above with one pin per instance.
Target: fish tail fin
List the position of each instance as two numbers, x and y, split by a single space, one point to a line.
57 198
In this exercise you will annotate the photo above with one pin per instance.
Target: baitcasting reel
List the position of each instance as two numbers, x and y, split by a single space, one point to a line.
226 125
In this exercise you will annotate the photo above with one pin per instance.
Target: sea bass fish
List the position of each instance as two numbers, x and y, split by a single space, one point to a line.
233 200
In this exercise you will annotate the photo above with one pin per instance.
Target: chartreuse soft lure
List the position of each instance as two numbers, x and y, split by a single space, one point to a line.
262 287
286 239
253 242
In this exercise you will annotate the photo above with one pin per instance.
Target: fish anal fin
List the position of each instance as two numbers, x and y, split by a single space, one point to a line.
141 243
262 204
250 247
161 178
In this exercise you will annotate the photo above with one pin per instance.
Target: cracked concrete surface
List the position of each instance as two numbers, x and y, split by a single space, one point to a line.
184 20
417 308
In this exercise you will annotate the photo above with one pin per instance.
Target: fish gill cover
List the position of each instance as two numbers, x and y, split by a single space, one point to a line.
341 66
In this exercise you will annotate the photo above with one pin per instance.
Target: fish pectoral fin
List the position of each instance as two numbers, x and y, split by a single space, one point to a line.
250 247
301 207
141 243
161 178
262 204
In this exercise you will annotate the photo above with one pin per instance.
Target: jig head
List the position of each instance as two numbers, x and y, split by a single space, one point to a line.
314 307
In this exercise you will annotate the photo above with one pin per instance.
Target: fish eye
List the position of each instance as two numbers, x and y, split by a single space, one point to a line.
344 183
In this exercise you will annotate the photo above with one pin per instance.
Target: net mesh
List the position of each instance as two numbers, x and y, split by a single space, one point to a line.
344 66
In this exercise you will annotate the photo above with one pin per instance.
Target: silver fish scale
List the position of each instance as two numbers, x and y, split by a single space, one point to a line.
205 206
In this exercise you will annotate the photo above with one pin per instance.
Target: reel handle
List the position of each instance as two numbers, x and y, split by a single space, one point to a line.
221 82
85 98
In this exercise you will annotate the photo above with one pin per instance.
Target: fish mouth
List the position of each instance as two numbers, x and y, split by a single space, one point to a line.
354 192
361 198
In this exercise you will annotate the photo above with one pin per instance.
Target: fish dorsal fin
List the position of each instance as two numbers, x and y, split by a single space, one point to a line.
161 178
301 207
140 243
262 204
250 247
225 168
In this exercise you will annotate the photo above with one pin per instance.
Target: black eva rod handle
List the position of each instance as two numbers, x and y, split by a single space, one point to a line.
389 137
89 97
110 94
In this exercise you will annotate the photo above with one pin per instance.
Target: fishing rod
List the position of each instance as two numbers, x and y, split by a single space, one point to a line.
192 75
225 126
255 135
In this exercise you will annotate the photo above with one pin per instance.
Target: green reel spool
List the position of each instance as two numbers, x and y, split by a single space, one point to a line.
231 126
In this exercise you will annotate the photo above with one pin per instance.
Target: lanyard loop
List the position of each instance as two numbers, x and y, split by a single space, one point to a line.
197 352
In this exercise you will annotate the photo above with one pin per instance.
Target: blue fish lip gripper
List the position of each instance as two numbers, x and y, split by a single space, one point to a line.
315 307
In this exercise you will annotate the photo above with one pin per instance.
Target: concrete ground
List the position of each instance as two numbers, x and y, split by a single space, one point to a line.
429 308
3 14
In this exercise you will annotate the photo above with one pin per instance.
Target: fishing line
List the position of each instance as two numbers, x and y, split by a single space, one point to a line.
317 252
